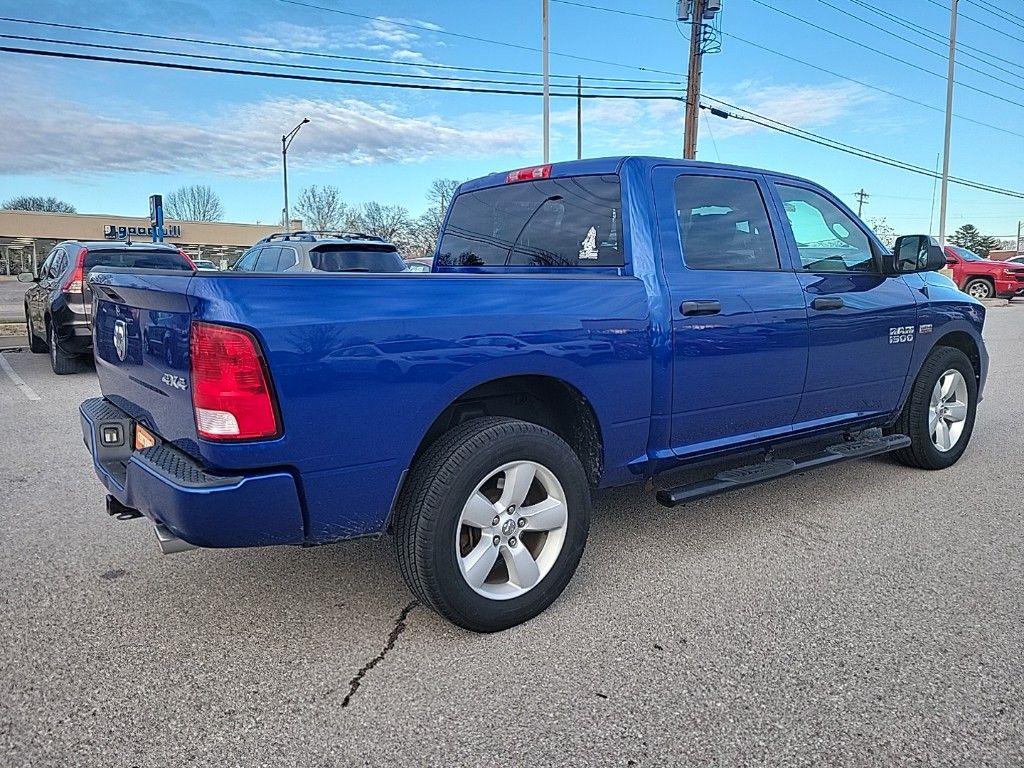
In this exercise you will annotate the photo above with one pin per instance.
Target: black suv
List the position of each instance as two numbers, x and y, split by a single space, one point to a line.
58 308
307 251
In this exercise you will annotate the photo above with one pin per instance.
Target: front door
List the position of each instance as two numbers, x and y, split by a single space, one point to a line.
863 324
739 329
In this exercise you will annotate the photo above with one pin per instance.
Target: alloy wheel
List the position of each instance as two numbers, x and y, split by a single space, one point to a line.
947 411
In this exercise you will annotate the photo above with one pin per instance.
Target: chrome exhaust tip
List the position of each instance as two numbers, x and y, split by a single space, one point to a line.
169 543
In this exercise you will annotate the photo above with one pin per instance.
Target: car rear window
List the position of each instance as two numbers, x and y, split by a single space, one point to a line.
573 222
136 259
356 258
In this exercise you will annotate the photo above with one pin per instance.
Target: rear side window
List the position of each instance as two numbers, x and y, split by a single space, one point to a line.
136 258
574 222
267 262
358 258
723 224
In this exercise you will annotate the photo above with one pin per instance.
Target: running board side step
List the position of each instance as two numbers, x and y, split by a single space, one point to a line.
743 477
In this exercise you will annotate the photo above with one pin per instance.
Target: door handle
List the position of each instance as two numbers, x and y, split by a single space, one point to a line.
690 308
830 303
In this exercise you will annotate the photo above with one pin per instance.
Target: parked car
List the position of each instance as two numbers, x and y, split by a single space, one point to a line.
58 307
419 265
1016 259
982 278
588 324
206 265
307 251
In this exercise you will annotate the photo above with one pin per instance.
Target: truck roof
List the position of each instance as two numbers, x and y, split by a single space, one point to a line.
602 165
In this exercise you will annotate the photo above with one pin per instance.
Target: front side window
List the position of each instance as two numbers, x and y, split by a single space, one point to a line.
827 239
248 260
723 224
572 222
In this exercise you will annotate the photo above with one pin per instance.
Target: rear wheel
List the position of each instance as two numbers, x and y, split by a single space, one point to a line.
35 344
62 362
939 414
980 288
492 523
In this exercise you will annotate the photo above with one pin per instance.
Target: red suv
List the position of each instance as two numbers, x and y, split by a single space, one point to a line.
982 278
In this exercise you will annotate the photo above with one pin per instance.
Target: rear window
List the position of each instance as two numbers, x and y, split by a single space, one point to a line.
574 222
358 258
136 259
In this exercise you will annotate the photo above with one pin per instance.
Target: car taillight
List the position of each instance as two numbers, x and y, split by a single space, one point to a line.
231 391
529 174
187 258
74 282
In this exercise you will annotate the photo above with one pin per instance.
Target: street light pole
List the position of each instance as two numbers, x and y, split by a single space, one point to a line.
547 92
949 121
286 142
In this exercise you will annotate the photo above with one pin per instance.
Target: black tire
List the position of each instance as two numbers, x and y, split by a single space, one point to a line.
61 362
913 420
431 502
35 344
983 288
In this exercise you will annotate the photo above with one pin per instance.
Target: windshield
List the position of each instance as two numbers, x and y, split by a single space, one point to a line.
360 258
964 254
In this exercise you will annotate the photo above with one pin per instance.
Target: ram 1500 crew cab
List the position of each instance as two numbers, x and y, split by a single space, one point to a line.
586 324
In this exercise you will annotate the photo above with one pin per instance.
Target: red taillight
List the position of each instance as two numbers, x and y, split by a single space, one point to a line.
231 391
529 174
74 282
187 258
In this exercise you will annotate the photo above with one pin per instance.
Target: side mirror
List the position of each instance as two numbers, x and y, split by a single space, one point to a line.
917 253
26 277
951 262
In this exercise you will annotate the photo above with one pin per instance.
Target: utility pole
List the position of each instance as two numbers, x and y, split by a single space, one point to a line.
693 74
1019 223
547 94
579 117
862 197
949 120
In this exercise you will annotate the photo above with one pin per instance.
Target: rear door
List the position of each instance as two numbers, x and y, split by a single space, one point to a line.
739 329
862 324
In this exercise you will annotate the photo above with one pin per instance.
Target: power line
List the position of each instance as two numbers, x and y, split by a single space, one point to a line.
803 62
752 116
778 125
1001 13
320 78
232 60
962 15
931 35
881 52
319 55
474 38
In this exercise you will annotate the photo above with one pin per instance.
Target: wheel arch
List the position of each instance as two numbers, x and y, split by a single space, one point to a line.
966 343
545 400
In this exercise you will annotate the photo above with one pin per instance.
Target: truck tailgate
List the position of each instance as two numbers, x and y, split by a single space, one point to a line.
141 338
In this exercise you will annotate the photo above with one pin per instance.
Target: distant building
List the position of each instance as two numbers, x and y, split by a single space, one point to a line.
28 234
1002 255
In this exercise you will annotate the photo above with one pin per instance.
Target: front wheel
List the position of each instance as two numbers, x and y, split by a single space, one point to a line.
980 288
492 523
939 414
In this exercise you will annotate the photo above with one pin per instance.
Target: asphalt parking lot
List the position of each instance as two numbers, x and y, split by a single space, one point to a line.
865 615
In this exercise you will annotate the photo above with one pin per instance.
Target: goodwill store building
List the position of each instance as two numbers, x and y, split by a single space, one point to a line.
28 235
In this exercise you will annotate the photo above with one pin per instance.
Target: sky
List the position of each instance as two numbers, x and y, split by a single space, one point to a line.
104 136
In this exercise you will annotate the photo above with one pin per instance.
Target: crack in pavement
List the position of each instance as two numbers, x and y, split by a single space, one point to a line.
399 628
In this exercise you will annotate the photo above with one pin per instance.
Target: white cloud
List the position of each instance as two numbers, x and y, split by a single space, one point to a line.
241 141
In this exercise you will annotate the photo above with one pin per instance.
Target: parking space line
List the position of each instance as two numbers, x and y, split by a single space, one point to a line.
26 390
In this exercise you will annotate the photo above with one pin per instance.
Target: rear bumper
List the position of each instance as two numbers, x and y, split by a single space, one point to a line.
198 506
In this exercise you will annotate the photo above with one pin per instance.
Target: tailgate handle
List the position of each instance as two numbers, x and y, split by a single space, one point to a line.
690 308
830 303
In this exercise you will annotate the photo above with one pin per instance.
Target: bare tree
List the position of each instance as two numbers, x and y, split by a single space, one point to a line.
322 208
35 203
883 229
392 222
196 202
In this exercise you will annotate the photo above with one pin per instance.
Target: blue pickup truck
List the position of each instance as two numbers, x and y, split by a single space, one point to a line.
586 324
